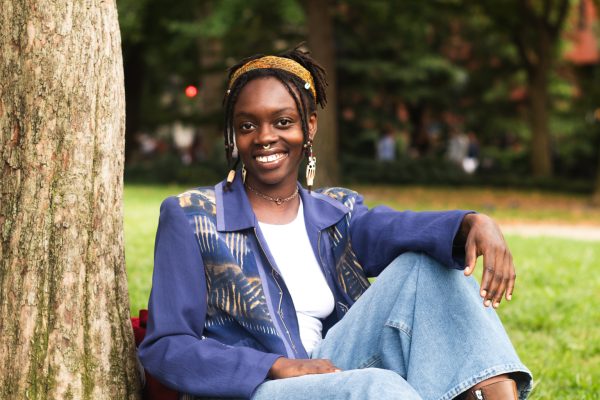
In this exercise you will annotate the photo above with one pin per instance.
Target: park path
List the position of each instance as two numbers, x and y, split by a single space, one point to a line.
589 233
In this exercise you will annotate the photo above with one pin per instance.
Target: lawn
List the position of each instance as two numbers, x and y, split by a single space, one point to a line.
554 318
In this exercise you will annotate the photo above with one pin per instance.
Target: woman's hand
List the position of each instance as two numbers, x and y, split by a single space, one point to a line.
482 236
288 368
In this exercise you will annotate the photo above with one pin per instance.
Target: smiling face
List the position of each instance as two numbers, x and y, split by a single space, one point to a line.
265 115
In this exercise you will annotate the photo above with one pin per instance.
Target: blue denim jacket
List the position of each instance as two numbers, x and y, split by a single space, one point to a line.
219 311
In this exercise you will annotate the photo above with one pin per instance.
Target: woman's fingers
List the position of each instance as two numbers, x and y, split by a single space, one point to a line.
288 368
498 277
321 366
470 257
501 277
487 278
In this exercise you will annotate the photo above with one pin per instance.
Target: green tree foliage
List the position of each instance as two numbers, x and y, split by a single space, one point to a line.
534 28
164 44
418 67
390 54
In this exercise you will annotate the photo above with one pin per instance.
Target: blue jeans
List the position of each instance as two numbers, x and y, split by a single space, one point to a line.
420 332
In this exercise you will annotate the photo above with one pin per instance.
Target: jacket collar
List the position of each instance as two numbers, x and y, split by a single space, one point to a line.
234 212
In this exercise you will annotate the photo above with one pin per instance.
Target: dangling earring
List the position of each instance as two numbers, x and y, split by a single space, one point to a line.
243 173
311 166
231 175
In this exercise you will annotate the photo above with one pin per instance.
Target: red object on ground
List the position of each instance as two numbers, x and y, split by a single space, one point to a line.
153 390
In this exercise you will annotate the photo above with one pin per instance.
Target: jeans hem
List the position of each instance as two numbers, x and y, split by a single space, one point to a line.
488 373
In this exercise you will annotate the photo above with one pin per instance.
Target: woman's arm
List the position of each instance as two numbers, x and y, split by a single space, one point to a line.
454 238
381 234
174 350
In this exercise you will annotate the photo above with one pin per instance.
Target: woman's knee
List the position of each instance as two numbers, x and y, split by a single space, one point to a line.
377 383
411 263
414 261
408 259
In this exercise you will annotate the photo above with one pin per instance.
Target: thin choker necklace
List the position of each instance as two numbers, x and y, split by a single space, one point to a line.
277 200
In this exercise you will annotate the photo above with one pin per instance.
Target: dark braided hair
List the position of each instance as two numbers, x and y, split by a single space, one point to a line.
305 103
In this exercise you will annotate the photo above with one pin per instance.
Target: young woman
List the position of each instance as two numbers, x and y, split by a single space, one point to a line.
260 286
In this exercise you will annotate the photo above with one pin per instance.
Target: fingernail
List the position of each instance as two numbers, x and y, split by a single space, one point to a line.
467 269
509 297
337 370
483 293
496 305
487 303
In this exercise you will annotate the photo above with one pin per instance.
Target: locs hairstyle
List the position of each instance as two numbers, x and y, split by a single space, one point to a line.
306 103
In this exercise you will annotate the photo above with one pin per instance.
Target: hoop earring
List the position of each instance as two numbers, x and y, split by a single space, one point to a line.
243 173
311 166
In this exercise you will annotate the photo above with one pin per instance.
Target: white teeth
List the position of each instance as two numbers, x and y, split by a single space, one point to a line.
270 158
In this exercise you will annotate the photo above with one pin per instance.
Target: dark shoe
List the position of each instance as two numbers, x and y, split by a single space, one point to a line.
501 390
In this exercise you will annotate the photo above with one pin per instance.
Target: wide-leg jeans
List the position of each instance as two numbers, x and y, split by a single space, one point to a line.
419 332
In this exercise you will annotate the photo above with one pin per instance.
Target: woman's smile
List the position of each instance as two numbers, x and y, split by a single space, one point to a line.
272 159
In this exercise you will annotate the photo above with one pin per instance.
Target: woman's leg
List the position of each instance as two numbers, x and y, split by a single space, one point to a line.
427 323
358 384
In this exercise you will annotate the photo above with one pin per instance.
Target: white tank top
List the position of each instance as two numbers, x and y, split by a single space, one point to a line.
313 300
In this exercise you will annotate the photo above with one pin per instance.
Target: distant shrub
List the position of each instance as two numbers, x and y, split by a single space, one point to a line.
510 171
169 169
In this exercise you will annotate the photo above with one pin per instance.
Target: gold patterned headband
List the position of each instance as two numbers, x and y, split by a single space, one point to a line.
281 63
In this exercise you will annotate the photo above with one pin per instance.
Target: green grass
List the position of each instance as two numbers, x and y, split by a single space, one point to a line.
554 317
553 320
501 204
142 208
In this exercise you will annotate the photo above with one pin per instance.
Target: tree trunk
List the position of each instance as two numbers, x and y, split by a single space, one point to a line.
321 44
64 311
539 115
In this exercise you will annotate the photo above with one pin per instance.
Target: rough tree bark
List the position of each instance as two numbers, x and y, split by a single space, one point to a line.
321 44
64 311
